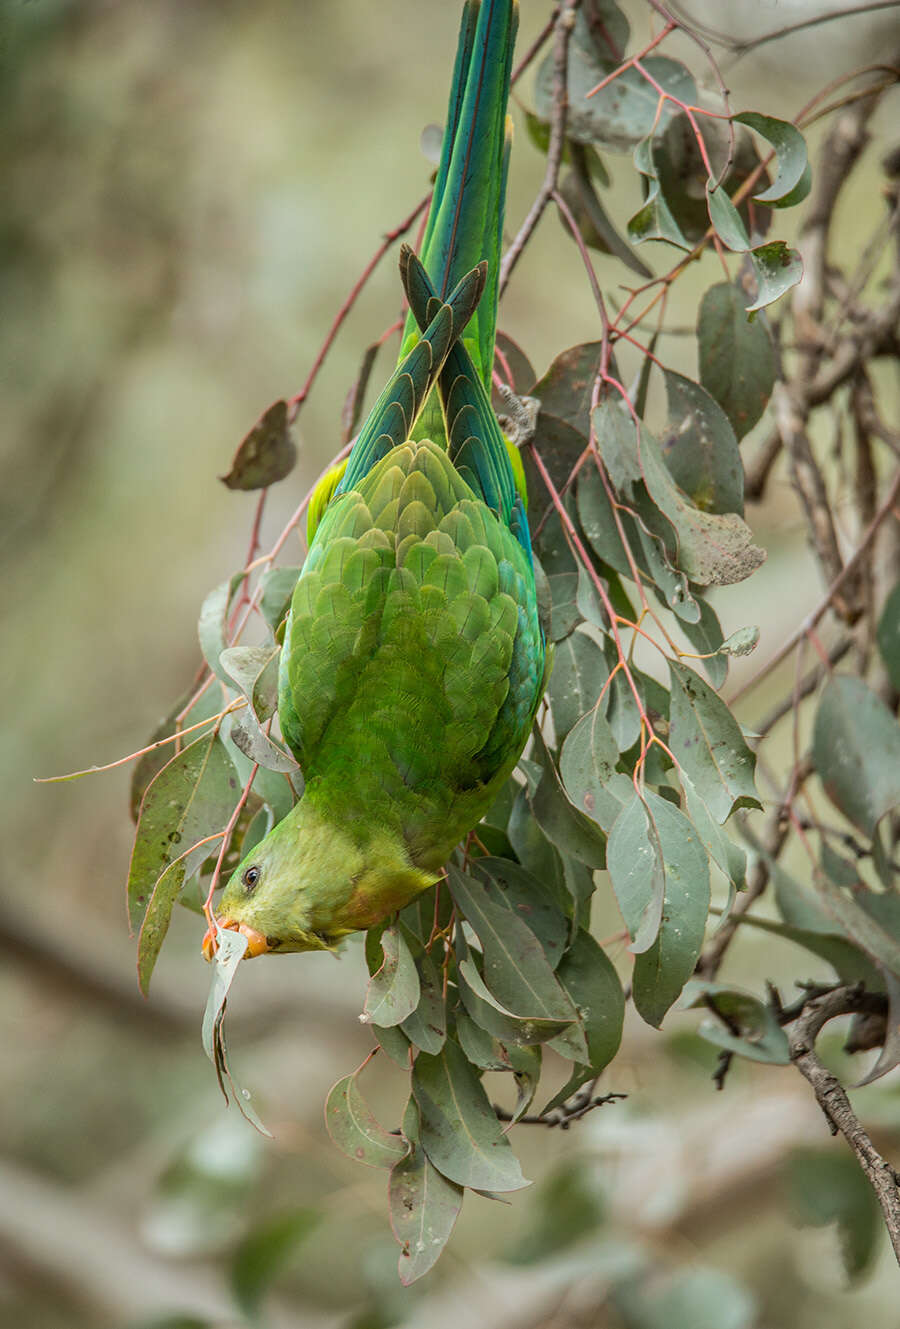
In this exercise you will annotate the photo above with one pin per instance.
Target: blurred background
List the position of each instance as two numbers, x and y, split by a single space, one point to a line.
188 192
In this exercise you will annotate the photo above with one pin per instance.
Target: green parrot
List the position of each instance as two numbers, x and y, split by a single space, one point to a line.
413 658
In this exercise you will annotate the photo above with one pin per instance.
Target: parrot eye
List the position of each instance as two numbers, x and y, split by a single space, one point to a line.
250 878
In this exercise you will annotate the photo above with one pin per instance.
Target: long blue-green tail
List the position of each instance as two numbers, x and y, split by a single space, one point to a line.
465 221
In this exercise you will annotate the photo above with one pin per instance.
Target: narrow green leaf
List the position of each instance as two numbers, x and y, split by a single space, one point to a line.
354 1129
742 642
211 625
151 763
790 151
426 1027
708 744
626 110
229 953
737 360
860 924
191 797
255 743
856 751
825 1186
423 1206
579 673
587 765
564 612
459 1130
264 1254
759 1036
593 222
730 857
516 969
394 990
590 979
255 671
654 220
539 904
706 637
570 830
277 589
777 268
888 636
711 548
661 972
634 859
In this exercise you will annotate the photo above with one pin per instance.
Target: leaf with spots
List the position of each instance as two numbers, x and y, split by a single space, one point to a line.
700 449
192 797
355 1130
424 1205
707 742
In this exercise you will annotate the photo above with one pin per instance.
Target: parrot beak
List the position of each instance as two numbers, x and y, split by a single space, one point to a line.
256 942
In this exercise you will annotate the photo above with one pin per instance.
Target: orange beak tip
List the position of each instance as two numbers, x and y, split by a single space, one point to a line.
256 942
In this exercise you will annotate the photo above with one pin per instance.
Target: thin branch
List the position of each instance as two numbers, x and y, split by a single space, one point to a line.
835 1104
400 229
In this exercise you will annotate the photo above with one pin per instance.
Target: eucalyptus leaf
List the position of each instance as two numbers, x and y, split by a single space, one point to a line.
266 454
356 1131
587 766
579 673
394 989
255 671
654 220
712 548
459 1131
423 1206
277 588
707 742
192 797
790 150
516 969
564 825
700 449
539 904
737 359
748 1026
265 1253
888 636
426 1026
856 751
590 979
212 624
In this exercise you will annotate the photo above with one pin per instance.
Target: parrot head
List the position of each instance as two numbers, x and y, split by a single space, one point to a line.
309 883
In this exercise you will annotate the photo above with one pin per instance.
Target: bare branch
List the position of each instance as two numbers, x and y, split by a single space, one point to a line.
835 1104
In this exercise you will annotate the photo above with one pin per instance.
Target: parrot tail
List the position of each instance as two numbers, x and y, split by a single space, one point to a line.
390 421
475 444
465 221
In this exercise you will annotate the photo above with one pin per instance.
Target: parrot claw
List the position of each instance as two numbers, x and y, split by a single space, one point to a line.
257 944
